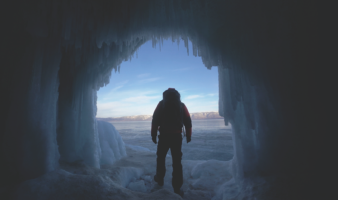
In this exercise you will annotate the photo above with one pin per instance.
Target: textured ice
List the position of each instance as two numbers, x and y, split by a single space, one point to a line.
211 140
211 174
77 132
111 144
60 184
138 186
138 148
202 180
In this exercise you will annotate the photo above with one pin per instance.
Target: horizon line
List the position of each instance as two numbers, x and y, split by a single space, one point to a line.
152 115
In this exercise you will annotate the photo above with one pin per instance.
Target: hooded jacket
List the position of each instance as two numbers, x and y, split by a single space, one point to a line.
158 120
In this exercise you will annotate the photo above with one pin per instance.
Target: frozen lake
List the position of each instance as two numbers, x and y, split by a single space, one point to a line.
211 139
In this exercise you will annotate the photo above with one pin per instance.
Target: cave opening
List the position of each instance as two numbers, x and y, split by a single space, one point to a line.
132 95
59 53
129 100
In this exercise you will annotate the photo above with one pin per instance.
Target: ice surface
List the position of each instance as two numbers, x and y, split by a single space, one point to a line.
138 186
59 184
202 179
211 174
138 148
211 139
133 173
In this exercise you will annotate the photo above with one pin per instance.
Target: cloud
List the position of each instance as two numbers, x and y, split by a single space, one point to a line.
182 91
204 106
119 85
141 99
181 69
194 96
116 88
143 75
149 80
128 102
212 94
138 102
127 108
123 82
120 95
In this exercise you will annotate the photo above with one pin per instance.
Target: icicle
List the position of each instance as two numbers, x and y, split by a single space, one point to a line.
178 43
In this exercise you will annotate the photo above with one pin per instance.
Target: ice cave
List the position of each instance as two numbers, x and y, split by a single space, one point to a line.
58 53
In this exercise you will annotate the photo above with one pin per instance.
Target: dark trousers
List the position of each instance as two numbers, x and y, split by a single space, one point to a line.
174 142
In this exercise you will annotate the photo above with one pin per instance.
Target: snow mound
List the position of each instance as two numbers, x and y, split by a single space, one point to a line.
128 174
60 184
137 186
211 174
111 143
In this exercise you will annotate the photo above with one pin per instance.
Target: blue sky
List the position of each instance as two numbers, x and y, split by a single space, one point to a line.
138 88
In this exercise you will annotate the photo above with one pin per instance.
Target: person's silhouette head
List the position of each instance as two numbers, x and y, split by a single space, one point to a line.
171 95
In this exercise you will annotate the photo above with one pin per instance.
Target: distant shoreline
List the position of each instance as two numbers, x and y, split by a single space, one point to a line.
194 116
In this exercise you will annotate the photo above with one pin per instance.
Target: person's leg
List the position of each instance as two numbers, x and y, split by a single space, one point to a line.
176 153
162 150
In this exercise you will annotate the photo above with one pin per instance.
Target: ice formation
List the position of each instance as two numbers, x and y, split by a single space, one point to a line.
111 144
58 54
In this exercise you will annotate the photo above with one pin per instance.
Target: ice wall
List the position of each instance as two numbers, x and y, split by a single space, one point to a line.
61 52
28 136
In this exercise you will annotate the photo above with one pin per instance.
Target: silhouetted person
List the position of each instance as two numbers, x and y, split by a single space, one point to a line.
169 117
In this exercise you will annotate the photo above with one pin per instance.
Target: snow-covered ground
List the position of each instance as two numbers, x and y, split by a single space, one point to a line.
129 175
129 178
201 178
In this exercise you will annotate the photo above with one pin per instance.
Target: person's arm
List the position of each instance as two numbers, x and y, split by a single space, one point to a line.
187 123
155 123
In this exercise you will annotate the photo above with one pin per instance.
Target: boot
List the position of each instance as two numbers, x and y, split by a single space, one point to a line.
179 192
157 180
